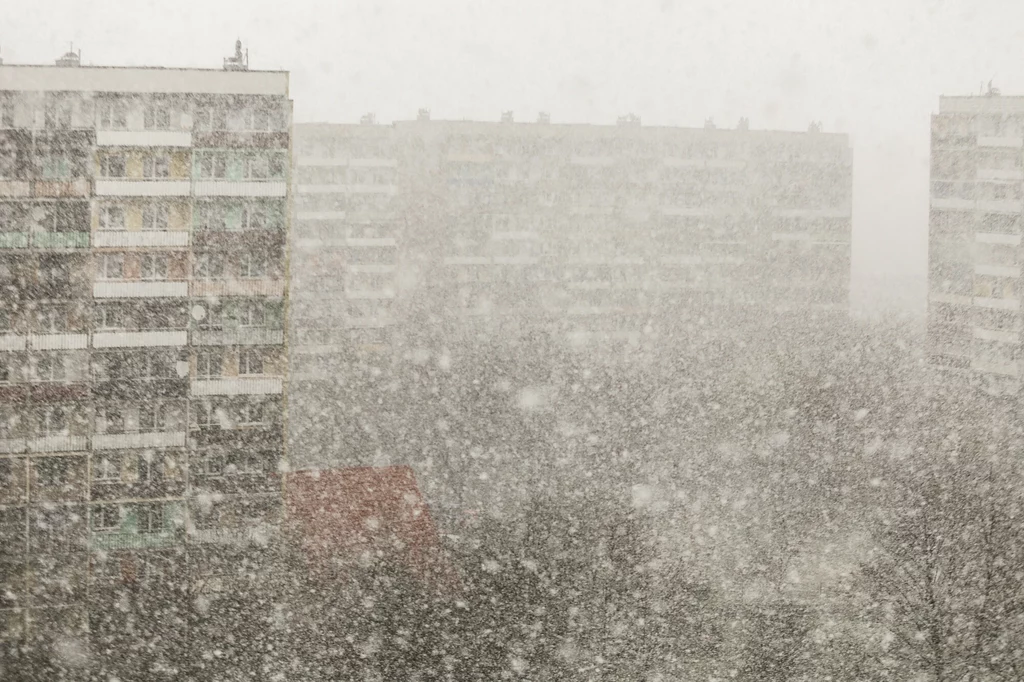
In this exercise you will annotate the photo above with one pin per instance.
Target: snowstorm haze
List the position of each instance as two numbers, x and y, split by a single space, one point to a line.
871 68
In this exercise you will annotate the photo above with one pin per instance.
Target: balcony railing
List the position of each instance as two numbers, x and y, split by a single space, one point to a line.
122 187
121 540
60 240
140 238
120 441
139 289
13 240
243 336
140 339
238 386
143 138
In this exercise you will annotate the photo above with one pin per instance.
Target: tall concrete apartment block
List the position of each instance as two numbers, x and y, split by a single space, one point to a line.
977 211
606 238
143 230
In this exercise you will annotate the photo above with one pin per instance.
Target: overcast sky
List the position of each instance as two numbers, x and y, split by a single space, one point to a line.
870 68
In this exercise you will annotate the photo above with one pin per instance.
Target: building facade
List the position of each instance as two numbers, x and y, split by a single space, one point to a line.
143 242
608 239
974 320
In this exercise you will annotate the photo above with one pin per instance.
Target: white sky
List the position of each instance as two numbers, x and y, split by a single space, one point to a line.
871 68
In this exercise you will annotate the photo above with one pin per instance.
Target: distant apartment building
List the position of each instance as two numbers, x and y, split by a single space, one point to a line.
974 316
607 238
143 234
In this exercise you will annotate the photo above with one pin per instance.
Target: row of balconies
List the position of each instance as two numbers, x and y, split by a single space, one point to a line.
240 336
121 187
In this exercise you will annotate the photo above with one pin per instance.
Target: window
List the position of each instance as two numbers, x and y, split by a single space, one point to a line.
150 467
157 116
106 517
257 167
213 318
58 112
250 362
156 166
252 414
5 372
154 217
210 118
52 320
211 463
209 266
55 272
209 363
55 421
154 266
112 266
251 314
53 471
242 463
111 218
110 317
207 415
210 217
50 367
153 417
252 266
150 517
213 165
6 111
56 165
155 366
107 469
254 218
110 420
113 116
112 166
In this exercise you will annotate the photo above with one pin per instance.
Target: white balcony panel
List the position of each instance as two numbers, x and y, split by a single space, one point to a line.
140 289
12 342
150 339
953 203
57 444
1008 141
140 238
143 80
469 157
143 188
143 138
812 213
370 241
371 189
9 445
953 299
373 163
683 211
238 386
119 441
676 162
321 189
1000 206
579 160
995 238
14 188
238 537
467 260
1000 174
998 270
681 261
369 295
58 341
380 268
997 303
379 322
238 337
229 188
515 260
1005 368
320 215
238 287
791 237
997 335
321 161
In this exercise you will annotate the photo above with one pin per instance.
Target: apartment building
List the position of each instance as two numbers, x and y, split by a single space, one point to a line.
609 238
143 223
974 319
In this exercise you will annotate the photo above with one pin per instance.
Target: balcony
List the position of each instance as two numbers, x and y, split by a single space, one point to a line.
997 335
15 188
143 138
11 445
240 537
603 161
13 240
58 341
1012 271
61 188
997 303
373 163
989 366
121 540
124 441
368 241
60 240
238 287
140 238
110 187
811 213
134 289
1000 205
1012 142
11 342
238 386
467 260
140 339
232 188
57 444
1000 174
248 336
953 203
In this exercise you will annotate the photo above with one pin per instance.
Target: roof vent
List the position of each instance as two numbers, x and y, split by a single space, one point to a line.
71 58
240 62
506 117
423 115
629 120
815 127
543 117
709 123
368 119
744 124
